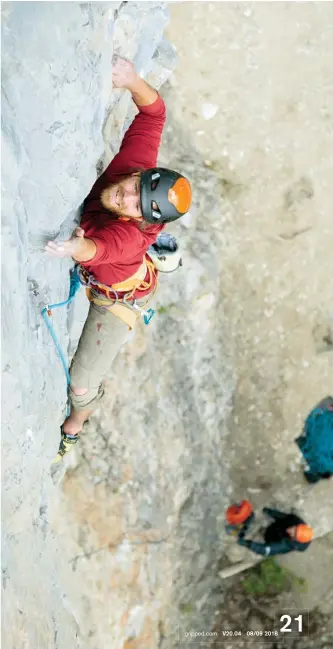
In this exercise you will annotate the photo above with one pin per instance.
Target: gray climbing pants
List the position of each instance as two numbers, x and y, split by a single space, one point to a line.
101 339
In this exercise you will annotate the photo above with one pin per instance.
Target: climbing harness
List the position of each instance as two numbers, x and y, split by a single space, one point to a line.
126 307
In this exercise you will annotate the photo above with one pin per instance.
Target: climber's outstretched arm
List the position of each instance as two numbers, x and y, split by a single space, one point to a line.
125 76
274 513
265 549
78 247
141 141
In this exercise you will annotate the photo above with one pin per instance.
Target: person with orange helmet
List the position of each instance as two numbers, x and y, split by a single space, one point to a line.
288 532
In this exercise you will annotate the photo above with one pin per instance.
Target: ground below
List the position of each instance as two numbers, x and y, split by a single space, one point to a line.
253 86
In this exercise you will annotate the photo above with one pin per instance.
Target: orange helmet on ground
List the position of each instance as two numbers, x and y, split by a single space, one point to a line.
303 533
237 514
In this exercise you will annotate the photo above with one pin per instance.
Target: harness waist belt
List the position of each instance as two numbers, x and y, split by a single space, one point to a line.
107 296
119 309
132 282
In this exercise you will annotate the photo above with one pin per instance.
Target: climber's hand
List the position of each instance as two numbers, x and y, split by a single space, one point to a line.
123 73
67 248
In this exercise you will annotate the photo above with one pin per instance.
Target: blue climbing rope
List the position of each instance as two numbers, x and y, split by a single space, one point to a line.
47 314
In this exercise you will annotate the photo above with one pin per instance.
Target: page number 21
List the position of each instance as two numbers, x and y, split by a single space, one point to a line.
287 619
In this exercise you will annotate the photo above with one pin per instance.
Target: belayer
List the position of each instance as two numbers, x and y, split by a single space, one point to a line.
286 533
119 248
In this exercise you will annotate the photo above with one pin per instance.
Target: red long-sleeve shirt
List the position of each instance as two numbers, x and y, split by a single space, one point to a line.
121 245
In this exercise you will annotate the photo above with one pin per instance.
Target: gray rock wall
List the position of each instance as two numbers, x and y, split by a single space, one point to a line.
120 551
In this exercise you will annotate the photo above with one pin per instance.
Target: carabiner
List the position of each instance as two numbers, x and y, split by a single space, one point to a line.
147 315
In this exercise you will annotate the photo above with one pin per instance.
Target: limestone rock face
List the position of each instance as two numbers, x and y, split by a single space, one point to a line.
109 554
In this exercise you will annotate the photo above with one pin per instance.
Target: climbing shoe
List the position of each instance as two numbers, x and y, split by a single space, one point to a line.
65 445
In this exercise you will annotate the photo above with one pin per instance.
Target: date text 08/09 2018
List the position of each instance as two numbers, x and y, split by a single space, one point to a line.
261 634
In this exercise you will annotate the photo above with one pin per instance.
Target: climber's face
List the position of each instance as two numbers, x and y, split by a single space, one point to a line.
123 197
292 532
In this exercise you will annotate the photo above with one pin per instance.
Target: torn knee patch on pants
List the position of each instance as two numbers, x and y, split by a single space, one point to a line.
79 392
87 401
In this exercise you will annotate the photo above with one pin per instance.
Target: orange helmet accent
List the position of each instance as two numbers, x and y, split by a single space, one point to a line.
237 514
180 195
304 533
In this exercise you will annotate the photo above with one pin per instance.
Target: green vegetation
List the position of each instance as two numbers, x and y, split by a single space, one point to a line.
166 308
162 309
269 578
187 607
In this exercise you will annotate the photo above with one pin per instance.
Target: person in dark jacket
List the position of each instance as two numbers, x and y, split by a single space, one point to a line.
288 532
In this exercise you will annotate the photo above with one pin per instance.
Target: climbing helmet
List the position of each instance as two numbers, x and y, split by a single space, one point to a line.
165 195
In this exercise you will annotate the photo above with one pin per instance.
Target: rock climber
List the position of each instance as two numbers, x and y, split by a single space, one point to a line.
288 532
122 216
